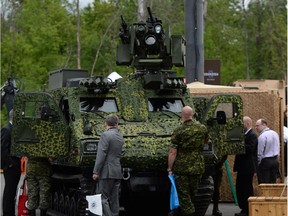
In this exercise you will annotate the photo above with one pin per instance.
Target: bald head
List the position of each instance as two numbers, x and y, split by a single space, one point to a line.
187 113
247 122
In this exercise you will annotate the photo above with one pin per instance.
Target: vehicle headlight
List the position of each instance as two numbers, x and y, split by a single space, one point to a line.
141 28
150 40
89 146
158 29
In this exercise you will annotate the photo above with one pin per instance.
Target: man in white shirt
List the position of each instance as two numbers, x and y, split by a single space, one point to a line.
268 153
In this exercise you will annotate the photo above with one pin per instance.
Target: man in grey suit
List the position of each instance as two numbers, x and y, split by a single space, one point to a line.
107 169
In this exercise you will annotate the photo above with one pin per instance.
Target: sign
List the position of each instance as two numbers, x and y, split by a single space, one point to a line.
212 72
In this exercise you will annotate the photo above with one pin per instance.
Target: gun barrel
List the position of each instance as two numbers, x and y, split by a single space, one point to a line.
150 13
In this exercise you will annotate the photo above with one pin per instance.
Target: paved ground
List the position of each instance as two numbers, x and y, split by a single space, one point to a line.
228 209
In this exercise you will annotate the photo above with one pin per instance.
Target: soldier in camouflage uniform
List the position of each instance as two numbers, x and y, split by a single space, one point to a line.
185 159
38 177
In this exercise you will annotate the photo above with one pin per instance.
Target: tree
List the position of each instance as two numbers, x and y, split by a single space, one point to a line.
223 39
78 37
267 24
39 42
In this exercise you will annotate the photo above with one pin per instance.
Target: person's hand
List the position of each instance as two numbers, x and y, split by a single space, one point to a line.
95 177
169 171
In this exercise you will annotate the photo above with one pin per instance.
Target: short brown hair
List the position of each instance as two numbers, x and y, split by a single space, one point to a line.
264 122
112 120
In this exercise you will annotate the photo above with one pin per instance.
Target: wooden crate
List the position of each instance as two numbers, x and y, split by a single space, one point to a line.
269 190
267 206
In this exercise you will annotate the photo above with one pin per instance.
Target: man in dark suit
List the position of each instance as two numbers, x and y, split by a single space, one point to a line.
11 166
246 165
107 169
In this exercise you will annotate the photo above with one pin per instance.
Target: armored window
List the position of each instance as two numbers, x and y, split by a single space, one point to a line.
165 104
39 109
230 109
64 106
93 104
35 109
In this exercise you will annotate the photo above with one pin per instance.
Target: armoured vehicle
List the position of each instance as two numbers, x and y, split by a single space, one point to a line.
65 122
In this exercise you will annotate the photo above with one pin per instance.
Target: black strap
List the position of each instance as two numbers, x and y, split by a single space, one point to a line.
95 188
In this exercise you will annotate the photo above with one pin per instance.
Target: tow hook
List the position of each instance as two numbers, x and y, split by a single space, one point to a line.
126 173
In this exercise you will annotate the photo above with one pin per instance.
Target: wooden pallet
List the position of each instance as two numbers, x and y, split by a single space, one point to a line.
267 206
269 190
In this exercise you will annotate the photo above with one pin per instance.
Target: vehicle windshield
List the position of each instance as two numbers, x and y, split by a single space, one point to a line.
94 104
165 104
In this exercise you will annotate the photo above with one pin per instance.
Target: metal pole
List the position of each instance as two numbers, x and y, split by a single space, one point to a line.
200 42
189 27
194 68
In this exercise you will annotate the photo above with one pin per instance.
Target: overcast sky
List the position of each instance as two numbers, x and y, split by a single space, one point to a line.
84 3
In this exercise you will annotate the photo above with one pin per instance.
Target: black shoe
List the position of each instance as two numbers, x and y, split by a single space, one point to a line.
216 213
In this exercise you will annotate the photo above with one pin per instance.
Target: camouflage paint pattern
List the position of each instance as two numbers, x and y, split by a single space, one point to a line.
218 133
38 178
186 186
189 139
42 138
33 187
133 104
199 103
147 134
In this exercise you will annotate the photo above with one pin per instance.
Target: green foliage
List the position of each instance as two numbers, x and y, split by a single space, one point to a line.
224 41
40 41
264 22
267 32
